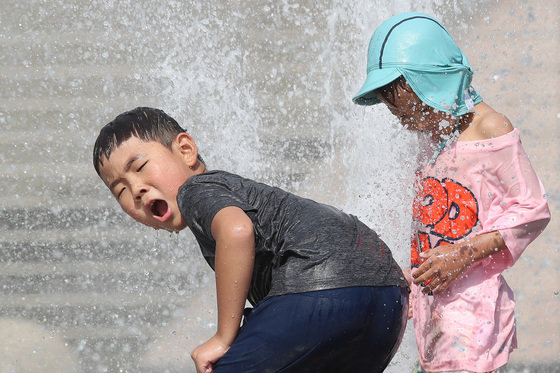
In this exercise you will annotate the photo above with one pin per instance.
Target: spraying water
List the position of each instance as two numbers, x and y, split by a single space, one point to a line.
264 87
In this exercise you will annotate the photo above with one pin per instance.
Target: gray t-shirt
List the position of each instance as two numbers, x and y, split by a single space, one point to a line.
301 245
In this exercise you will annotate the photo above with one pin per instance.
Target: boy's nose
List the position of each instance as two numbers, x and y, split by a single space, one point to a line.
139 191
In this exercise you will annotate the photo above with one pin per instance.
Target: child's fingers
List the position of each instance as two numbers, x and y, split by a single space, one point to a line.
427 254
432 252
432 283
424 277
422 269
204 368
443 285
429 288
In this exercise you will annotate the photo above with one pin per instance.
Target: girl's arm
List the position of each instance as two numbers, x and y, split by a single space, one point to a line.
443 264
522 211
233 232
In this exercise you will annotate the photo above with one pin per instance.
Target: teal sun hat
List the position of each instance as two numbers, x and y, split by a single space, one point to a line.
420 49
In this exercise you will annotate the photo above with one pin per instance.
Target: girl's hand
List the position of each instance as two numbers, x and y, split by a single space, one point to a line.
205 355
444 264
441 266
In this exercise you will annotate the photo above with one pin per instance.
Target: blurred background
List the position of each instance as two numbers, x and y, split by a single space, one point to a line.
265 88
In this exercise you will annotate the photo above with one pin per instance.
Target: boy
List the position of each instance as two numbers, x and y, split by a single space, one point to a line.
327 294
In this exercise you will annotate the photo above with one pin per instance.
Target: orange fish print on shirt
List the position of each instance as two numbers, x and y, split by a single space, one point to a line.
448 212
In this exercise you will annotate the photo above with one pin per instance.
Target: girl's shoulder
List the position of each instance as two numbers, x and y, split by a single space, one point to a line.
486 124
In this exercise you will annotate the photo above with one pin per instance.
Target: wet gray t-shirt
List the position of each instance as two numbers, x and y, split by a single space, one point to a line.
301 245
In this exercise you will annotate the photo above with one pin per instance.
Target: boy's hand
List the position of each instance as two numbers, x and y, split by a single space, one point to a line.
205 355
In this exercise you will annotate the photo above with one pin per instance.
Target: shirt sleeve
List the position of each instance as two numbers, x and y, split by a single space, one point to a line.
199 202
519 210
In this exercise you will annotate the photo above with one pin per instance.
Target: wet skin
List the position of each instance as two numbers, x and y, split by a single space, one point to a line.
414 114
444 264
145 177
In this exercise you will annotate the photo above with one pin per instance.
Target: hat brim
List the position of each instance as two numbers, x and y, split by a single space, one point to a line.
375 79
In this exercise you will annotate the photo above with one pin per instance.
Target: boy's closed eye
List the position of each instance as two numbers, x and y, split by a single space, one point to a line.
120 193
141 166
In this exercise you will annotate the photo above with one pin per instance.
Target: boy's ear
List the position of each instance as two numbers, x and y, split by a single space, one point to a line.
187 148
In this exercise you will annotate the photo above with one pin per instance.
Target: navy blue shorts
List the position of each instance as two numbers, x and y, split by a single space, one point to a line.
354 329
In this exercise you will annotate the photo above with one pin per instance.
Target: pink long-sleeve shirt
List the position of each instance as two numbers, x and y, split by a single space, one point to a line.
474 187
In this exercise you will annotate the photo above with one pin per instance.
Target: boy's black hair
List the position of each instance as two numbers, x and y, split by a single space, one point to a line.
388 91
145 123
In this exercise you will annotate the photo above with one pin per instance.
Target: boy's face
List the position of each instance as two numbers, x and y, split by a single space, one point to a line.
145 177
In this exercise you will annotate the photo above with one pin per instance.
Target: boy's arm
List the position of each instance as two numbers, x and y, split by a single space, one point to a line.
233 232
235 255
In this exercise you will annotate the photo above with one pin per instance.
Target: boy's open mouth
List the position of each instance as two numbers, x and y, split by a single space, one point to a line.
159 208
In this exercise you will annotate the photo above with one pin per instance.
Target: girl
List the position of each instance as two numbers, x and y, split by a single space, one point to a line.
479 202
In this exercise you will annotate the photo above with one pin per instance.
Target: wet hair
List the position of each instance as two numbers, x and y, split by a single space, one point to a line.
147 124
389 91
